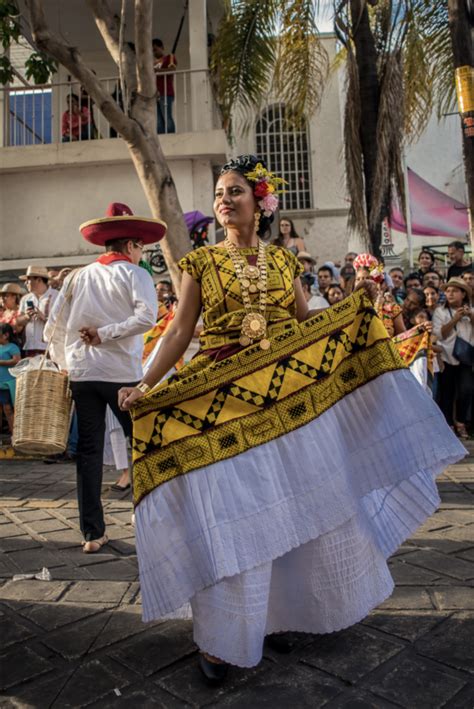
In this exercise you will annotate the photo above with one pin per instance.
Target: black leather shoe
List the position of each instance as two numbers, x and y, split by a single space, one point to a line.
214 673
279 643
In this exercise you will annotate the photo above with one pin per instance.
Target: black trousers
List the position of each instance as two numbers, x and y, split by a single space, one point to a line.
455 392
91 399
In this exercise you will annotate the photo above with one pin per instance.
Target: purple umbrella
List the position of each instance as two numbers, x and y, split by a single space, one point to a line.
196 219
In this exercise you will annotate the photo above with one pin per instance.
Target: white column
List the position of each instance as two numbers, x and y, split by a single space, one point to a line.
201 98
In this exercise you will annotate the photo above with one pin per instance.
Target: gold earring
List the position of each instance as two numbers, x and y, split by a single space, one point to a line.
257 220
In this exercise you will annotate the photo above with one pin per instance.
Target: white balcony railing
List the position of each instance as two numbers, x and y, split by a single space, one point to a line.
37 115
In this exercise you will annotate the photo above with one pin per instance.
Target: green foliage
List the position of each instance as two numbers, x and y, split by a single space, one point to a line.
6 70
265 48
39 67
9 23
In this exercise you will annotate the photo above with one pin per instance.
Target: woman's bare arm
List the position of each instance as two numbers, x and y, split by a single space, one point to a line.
175 341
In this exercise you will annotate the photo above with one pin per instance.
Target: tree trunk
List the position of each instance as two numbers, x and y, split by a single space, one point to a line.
366 57
138 129
463 54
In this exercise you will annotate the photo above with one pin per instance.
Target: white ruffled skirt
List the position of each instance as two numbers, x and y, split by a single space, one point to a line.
294 534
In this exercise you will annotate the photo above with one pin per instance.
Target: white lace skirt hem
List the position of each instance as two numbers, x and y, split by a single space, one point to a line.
372 456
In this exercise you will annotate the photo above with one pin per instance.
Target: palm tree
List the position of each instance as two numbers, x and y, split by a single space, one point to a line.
398 68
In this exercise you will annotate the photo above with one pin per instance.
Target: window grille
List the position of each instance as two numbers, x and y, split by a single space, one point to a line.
286 152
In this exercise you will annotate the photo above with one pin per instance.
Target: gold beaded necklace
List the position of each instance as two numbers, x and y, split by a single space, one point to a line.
252 279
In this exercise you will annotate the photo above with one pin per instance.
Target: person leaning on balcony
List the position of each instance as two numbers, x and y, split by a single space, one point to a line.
35 307
164 86
76 121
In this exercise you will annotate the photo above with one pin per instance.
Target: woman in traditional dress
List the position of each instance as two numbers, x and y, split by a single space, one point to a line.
270 482
388 310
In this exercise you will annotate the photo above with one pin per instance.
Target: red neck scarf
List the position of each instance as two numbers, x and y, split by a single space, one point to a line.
111 256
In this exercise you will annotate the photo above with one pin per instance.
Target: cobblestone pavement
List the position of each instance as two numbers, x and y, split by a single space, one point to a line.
79 641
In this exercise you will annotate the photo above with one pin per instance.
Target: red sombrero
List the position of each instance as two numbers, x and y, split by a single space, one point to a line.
120 223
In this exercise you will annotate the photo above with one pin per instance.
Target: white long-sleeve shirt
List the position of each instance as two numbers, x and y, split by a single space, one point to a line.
34 329
119 300
464 329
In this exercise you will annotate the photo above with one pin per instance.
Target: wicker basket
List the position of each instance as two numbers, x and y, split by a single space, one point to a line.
42 412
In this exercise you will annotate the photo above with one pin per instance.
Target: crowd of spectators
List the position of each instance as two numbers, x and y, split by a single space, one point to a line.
426 298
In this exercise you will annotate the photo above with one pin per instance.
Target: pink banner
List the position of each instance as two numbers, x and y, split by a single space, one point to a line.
433 213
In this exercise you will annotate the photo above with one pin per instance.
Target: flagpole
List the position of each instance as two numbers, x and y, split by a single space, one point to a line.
408 211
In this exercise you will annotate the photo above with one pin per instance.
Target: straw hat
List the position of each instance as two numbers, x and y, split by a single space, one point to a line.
458 283
120 223
38 271
305 256
14 288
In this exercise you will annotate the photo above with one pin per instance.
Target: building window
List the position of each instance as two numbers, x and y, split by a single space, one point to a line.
286 152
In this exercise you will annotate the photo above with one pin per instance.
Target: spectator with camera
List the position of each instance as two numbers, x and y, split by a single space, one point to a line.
35 307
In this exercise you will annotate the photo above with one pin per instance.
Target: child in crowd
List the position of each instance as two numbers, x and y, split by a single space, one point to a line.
9 356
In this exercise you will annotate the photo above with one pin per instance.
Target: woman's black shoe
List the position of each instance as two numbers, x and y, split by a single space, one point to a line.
214 672
279 643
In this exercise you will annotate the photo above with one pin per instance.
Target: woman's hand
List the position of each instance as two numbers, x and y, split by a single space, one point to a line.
371 289
127 397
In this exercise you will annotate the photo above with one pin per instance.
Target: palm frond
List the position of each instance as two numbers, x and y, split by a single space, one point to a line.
353 148
243 55
389 136
302 62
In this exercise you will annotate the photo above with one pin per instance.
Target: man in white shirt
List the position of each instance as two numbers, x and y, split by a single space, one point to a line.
35 307
102 312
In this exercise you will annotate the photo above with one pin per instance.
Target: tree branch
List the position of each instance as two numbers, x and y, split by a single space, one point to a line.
146 81
108 25
70 57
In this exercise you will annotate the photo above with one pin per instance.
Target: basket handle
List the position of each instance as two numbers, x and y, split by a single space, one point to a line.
67 298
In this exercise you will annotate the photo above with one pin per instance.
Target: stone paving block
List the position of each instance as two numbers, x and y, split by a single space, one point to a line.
459 534
409 625
124 547
72 573
114 570
43 504
456 517
76 639
47 525
21 665
464 699
75 556
187 683
360 700
454 597
40 694
467 555
406 575
415 682
33 560
441 564
124 622
156 648
11 530
444 545
32 590
11 631
50 616
18 543
115 532
408 597
63 539
91 681
298 686
7 504
7 567
97 591
452 642
350 654
150 696
30 515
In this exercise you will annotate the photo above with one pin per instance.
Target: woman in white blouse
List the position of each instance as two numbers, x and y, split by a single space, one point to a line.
455 318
